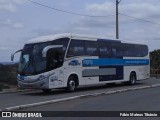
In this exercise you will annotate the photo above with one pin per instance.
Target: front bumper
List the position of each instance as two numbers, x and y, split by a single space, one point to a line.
41 84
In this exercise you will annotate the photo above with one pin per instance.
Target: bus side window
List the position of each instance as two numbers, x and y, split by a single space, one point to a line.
127 50
116 50
104 49
76 48
91 48
142 50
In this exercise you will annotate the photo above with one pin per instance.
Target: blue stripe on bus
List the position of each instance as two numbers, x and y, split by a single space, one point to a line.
107 61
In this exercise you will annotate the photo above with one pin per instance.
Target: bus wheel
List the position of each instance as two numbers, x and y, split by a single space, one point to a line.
71 85
46 90
132 79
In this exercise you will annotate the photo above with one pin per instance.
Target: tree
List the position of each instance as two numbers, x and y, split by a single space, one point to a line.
155 60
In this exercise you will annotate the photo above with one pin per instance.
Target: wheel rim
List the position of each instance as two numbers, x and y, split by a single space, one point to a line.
133 79
72 85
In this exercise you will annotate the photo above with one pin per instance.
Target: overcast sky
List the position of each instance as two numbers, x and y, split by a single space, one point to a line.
21 20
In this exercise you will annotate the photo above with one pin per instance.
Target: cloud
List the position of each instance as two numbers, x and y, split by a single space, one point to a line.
4 48
129 29
101 9
9 23
7 8
147 9
43 31
10 5
18 25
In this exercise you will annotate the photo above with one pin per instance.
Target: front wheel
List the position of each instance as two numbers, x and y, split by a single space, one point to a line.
71 85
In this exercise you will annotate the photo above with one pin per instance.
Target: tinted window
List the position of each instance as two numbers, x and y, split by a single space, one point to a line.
133 50
26 61
141 50
116 50
76 48
128 50
104 49
40 62
62 41
91 48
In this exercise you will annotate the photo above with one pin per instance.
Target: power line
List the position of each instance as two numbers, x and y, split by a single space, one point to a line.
64 11
139 19
86 15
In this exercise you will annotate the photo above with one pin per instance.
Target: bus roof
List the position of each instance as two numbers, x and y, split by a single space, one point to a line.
76 36
68 35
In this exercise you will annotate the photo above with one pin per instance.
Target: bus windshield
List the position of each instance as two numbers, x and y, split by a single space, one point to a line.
26 61
32 62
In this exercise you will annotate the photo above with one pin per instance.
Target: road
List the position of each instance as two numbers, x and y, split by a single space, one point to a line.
136 100
22 98
139 100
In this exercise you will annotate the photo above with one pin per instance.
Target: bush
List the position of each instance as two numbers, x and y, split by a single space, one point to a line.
8 75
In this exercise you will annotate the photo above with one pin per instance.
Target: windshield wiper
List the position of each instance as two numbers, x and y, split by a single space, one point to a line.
25 67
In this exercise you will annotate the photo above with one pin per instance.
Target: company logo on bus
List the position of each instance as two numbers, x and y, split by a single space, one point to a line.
74 63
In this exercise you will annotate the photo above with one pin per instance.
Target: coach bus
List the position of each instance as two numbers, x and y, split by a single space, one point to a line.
72 60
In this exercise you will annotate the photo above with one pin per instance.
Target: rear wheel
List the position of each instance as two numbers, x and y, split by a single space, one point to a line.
71 85
132 79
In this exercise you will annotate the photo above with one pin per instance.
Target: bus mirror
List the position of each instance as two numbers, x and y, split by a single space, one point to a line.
12 55
45 50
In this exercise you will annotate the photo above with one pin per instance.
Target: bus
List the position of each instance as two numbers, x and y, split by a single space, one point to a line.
72 60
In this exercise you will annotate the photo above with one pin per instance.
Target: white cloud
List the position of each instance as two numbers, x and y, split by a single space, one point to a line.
9 5
9 23
12 1
147 9
7 8
18 25
129 29
104 8
143 10
4 48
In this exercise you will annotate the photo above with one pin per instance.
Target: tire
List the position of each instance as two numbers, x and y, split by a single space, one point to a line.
71 85
132 79
46 91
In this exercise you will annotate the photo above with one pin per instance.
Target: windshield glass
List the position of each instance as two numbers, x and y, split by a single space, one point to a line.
40 62
26 64
32 62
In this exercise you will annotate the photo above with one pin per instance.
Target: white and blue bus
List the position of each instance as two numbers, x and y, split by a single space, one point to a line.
72 60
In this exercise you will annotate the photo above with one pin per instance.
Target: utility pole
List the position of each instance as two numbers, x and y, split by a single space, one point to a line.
117 25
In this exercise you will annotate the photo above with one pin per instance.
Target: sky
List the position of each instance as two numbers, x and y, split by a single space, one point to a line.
21 20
